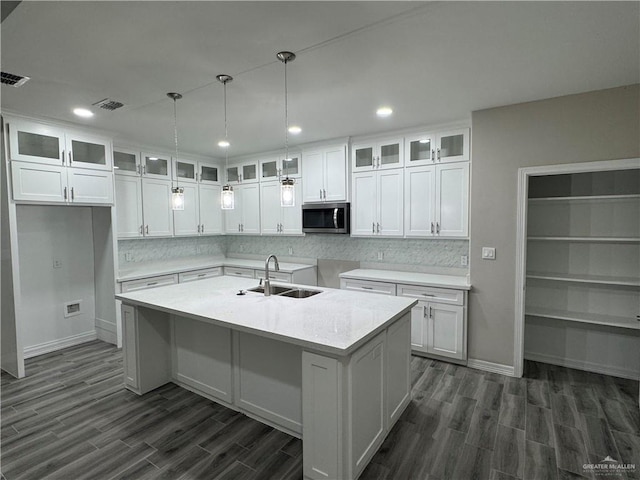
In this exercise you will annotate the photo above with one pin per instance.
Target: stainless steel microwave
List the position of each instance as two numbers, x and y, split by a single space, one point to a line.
326 217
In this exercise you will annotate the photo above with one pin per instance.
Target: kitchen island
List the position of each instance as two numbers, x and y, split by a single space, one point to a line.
332 368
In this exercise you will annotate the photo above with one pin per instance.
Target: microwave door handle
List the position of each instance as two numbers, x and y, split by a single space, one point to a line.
335 218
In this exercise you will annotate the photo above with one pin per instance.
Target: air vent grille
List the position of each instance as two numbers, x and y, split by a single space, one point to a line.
13 80
109 104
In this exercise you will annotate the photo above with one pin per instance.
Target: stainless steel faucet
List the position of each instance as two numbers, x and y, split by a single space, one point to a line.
267 282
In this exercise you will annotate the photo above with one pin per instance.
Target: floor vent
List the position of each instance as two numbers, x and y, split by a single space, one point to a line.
109 104
13 80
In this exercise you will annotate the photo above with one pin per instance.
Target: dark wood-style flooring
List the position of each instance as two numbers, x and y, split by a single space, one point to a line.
72 419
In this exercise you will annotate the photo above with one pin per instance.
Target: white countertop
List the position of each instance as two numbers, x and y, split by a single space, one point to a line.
411 278
334 321
135 271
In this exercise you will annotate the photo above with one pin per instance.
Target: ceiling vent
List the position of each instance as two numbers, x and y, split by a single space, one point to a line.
109 104
13 80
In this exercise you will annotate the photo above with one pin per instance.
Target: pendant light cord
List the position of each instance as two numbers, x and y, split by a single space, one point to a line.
286 122
175 136
226 131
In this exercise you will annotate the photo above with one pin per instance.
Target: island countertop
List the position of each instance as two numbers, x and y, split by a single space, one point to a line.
334 321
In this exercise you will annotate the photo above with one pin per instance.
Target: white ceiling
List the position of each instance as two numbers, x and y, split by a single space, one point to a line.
433 62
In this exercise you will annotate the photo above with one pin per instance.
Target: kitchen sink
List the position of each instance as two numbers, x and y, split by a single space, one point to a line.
275 289
299 293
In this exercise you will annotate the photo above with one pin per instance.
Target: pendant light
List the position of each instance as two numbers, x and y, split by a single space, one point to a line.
227 201
287 189
177 192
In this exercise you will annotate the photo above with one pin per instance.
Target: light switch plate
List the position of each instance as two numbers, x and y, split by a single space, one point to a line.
488 253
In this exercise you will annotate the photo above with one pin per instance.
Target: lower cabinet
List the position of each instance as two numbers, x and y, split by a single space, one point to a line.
438 329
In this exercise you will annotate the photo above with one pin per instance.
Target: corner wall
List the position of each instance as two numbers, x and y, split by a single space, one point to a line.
600 125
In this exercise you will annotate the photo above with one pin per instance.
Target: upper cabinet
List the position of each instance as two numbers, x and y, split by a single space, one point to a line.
209 174
440 147
277 167
324 174
185 170
377 154
155 165
126 162
246 172
86 151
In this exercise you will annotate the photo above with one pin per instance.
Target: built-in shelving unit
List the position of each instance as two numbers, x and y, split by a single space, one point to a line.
583 268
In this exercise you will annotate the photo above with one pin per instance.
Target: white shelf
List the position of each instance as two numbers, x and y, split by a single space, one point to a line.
591 279
584 198
586 239
581 317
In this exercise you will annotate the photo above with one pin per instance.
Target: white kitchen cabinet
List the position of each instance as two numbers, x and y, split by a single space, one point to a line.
156 165
36 142
210 210
275 219
156 208
129 206
276 168
452 146
420 149
208 174
184 171
149 282
126 162
377 154
245 217
42 183
384 288
192 276
378 203
438 329
245 172
88 151
436 201
324 175
239 272
187 221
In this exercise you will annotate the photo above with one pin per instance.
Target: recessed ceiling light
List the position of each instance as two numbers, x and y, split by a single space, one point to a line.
384 111
294 129
83 112
223 143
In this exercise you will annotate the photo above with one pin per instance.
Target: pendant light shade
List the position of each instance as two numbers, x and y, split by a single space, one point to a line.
227 201
287 188
177 192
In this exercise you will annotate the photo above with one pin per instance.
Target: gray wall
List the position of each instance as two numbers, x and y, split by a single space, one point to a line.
601 125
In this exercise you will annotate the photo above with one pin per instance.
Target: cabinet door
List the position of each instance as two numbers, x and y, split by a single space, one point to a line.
233 174
419 327
269 169
445 330
84 151
187 221
184 171
363 208
34 142
90 186
270 209
363 157
250 209
249 172
126 162
209 174
130 346
210 210
335 175
156 208
452 206
390 153
453 146
291 223
313 176
420 150
233 218
390 203
419 204
39 183
156 166
290 168
129 207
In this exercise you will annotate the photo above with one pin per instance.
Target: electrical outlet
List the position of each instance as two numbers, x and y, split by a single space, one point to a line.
380 255
290 250
57 263
128 257
464 260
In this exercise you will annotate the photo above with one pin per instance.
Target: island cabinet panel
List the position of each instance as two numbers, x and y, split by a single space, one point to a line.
270 389
398 376
202 357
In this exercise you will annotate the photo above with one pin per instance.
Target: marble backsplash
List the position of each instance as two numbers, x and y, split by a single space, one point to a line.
414 254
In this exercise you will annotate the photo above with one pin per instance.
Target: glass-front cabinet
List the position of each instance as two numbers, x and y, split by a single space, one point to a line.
85 151
156 165
453 146
209 174
35 142
378 155
126 162
185 170
420 150
243 173
277 167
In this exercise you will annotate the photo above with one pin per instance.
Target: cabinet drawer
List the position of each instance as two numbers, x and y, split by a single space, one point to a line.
239 272
366 286
151 282
432 294
279 276
199 274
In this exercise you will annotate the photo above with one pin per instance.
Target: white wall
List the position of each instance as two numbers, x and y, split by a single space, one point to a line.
45 234
600 125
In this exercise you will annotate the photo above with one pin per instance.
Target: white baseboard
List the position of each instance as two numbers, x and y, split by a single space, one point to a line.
52 346
612 370
106 325
106 331
491 367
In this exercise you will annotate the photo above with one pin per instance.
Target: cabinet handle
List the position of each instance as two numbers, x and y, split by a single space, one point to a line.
424 314
138 169
141 230
144 170
196 176
320 194
324 193
198 228
65 193
150 284
428 295
433 155
438 154
378 227
202 275
70 157
373 227
438 227
242 227
367 288
432 229
62 156
147 229
430 312
72 194
203 228
239 178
